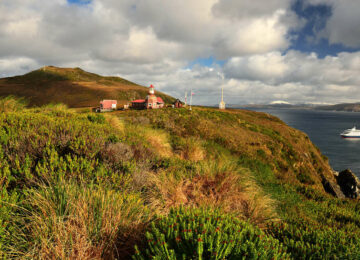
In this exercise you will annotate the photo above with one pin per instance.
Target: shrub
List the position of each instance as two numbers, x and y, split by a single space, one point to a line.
207 234
96 118
306 241
114 154
12 104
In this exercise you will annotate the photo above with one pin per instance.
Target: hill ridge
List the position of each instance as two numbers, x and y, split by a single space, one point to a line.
74 87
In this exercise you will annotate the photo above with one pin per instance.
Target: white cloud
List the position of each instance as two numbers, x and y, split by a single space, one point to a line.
342 27
154 41
300 77
16 65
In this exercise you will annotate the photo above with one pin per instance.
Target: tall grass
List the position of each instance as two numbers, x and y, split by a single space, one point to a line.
71 221
218 185
12 104
158 141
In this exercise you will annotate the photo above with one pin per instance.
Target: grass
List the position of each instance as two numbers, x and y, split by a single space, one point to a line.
66 220
79 185
212 185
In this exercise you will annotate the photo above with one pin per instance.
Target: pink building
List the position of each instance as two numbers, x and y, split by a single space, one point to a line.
108 105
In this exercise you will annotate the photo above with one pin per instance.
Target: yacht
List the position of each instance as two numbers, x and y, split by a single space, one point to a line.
351 133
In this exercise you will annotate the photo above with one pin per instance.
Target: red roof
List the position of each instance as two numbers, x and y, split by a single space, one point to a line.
105 101
138 101
151 86
159 100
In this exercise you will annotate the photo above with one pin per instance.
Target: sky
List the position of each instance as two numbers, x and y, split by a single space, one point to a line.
297 51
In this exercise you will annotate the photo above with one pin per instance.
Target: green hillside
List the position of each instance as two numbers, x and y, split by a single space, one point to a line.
73 87
166 184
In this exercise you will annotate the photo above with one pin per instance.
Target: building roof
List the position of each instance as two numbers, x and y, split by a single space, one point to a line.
108 101
159 100
138 101
151 86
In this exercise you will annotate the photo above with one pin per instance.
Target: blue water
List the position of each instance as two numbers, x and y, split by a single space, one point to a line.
323 128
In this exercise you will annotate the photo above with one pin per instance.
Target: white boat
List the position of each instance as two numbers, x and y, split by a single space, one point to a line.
351 133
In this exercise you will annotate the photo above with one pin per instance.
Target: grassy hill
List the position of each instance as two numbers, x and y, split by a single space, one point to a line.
73 87
171 183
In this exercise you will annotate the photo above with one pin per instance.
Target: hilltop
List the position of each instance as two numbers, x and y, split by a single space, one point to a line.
73 87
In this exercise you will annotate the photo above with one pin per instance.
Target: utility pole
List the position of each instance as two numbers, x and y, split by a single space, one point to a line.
222 103
185 98
191 94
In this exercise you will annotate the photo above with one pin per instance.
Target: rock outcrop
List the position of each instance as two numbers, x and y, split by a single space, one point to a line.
332 188
349 184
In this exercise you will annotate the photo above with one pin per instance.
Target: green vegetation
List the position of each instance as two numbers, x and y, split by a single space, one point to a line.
208 234
79 185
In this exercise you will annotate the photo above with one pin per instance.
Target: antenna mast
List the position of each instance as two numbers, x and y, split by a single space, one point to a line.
222 103
191 94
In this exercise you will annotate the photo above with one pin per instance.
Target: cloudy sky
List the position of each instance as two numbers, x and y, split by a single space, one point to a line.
299 51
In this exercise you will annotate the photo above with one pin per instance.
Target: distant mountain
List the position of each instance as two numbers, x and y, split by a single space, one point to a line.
273 105
73 87
350 107
280 102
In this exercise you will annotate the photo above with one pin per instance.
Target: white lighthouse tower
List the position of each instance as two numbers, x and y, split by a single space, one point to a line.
151 90
222 103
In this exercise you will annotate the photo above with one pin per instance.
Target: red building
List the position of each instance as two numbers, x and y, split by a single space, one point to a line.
107 105
150 102
178 103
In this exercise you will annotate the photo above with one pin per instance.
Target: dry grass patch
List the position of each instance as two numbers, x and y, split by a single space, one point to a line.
159 142
115 122
192 150
218 186
73 222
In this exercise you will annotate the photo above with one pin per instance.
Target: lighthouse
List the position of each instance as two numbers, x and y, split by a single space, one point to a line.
151 90
222 103
150 102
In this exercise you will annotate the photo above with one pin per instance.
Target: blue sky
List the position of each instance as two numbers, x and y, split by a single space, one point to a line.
79 2
298 51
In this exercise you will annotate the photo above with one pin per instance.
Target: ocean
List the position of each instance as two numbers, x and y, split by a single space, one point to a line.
324 128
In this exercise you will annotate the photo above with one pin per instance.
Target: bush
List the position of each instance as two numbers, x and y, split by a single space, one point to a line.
207 234
12 104
96 118
115 154
305 241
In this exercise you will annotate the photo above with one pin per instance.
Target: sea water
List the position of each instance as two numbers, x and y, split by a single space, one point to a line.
324 128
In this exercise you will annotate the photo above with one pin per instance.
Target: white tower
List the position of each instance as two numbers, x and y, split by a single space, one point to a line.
222 103
151 90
